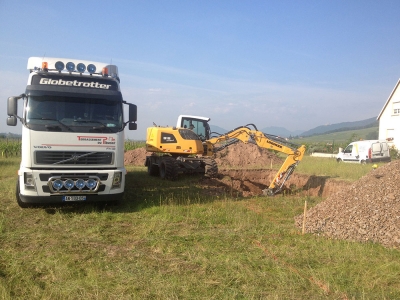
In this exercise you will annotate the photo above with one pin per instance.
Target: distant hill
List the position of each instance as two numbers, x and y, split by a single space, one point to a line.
371 122
218 129
345 136
280 131
323 129
10 135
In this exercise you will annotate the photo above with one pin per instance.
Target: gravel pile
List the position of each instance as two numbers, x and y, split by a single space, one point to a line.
367 210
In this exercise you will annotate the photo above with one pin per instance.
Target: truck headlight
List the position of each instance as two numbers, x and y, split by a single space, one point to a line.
91 183
59 66
81 67
29 182
70 66
69 184
80 184
116 183
91 68
58 184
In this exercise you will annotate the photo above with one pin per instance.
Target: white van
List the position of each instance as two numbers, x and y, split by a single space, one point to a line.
365 152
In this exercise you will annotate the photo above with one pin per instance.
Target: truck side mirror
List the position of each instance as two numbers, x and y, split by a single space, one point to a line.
12 121
132 126
132 113
12 108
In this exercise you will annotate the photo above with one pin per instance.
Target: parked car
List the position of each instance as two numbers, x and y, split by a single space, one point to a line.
368 151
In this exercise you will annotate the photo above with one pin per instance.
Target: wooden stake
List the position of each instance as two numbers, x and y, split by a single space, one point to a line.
304 217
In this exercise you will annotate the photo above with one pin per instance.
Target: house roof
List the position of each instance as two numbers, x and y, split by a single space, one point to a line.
388 100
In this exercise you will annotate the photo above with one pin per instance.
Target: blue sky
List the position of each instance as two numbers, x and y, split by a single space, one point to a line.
292 64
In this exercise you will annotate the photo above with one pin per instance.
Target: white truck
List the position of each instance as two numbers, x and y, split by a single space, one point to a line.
367 151
72 132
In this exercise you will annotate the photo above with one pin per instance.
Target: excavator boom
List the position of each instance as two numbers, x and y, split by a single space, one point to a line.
246 135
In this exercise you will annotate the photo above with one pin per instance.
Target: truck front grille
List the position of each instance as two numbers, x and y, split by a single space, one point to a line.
73 158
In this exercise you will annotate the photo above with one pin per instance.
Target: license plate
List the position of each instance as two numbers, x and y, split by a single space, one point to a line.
74 198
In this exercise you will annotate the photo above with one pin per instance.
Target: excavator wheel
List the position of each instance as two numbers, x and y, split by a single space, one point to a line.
168 168
153 170
211 167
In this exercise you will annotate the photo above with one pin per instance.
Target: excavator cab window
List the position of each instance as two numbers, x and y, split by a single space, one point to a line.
199 127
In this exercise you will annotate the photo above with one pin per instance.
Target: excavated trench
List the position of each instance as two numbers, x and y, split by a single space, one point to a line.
248 183
240 173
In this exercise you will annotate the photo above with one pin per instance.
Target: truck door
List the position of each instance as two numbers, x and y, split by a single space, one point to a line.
376 151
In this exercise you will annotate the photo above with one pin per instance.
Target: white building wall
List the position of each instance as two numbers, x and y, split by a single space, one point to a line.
389 120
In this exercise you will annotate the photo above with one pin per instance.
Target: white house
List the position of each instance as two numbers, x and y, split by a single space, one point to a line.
389 118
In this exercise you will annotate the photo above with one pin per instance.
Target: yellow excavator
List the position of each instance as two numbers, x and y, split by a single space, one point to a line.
189 147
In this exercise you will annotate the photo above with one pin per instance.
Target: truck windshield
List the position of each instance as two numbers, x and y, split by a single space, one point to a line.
70 114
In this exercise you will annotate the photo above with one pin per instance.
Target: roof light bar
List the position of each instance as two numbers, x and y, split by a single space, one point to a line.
53 64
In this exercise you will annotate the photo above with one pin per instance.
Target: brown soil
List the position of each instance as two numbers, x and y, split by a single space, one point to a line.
366 210
246 156
136 157
237 155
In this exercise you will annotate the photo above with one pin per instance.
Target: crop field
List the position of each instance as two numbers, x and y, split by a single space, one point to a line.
172 240
341 137
10 147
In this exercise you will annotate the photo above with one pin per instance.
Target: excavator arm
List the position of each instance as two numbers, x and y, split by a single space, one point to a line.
246 135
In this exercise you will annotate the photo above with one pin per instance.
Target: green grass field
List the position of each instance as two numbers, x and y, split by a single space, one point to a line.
340 136
169 240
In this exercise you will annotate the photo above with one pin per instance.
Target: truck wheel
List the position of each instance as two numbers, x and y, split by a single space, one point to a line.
339 160
19 201
153 170
211 168
168 168
363 162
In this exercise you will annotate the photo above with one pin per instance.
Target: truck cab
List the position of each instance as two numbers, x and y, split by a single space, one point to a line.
72 132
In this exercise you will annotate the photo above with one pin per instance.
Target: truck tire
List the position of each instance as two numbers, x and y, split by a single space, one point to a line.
168 168
338 160
153 170
210 167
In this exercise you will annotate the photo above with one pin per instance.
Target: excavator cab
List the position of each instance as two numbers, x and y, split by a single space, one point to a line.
199 125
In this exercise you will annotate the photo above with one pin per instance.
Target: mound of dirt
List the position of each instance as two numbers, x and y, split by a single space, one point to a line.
367 210
136 157
237 155
245 156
